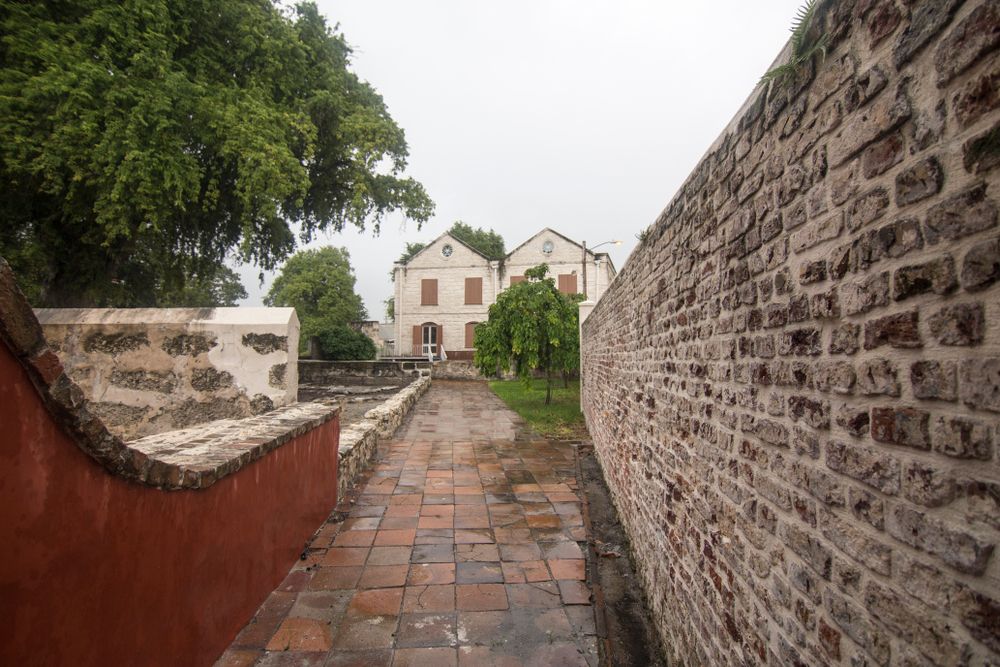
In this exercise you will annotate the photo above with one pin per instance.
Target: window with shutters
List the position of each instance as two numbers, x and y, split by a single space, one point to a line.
516 279
470 334
567 283
429 292
473 291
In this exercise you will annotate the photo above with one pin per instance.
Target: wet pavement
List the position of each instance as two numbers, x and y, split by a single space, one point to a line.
464 546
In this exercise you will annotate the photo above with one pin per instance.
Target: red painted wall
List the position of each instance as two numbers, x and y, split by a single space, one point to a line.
95 570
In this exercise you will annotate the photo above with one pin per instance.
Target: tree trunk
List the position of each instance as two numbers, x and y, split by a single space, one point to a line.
548 387
565 380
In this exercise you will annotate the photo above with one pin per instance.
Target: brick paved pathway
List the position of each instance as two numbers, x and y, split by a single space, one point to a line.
461 549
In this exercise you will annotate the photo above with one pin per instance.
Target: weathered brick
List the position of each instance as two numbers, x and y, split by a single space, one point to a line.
883 115
877 377
928 485
865 294
800 342
767 430
901 426
798 308
815 413
866 208
962 438
812 272
869 552
912 621
854 420
937 276
978 96
934 380
816 232
927 18
882 155
966 213
826 305
981 266
962 550
856 624
961 324
867 506
844 339
979 383
982 152
918 182
900 330
976 35
981 615
875 468
882 21
835 376
810 549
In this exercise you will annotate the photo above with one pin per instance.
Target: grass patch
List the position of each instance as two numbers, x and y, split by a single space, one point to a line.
561 420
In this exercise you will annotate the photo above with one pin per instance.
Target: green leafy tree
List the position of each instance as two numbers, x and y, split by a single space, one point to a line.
319 284
221 288
488 243
342 343
390 309
531 327
141 142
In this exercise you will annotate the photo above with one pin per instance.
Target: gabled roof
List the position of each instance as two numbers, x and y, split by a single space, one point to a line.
568 240
453 238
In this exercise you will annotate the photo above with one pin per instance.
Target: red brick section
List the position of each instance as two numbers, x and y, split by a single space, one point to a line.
793 386
463 547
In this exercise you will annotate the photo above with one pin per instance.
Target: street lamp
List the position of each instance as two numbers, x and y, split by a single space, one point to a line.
584 243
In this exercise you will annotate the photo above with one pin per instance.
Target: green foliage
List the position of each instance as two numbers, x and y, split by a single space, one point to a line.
488 243
531 327
319 284
222 288
411 250
146 141
390 309
342 343
807 42
561 419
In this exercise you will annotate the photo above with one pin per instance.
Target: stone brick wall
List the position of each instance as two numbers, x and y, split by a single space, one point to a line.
147 371
793 386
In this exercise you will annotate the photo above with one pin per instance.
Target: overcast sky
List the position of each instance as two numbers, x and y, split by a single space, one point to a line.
583 116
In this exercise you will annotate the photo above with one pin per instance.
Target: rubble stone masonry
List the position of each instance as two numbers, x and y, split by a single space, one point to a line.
793 386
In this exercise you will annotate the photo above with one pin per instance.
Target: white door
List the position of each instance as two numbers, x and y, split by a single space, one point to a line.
430 339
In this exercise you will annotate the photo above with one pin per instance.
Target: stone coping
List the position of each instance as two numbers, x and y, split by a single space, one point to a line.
192 458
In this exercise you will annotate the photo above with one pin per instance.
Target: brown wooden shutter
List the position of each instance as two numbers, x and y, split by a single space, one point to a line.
567 283
440 342
473 291
429 292
470 334
516 279
417 340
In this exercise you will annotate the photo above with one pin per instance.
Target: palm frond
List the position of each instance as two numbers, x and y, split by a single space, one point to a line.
803 50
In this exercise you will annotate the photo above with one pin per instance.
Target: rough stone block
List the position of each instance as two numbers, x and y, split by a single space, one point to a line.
844 339
928 485
877 377
937 276
800 342
934 380
901 426
865 294
962 438
958 548
854 420
835 376
966 213
981 266
815 233
875 468
918 182
869 552
961 324
979 383
867 207
883 155
978 96
883 115
973 37
927 19
900 330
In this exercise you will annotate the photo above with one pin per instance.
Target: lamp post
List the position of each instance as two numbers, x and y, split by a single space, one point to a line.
584 243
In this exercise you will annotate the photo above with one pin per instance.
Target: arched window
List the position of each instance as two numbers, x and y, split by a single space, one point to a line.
427 339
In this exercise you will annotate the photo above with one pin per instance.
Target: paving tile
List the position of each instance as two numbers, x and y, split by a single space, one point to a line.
376 602
402 511
327 606
425 657
475 536
426 630
574 592
383 576
292 659
355 538
429 598
541 595
476 552
370 658
485 656
365 632
568 569
235 657
518 552
427 574
436 522
478 573
398 523
345 556
301 634
330 578
433 553
480 597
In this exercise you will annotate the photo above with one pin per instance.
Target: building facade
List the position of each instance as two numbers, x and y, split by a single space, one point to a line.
446 289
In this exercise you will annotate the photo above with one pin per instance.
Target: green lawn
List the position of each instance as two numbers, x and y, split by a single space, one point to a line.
561 420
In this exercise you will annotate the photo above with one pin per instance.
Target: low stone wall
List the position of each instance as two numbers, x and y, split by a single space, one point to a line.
349 372
455 369
359 441
793 385
148 371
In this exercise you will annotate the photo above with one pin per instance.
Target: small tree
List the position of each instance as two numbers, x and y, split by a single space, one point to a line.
531 327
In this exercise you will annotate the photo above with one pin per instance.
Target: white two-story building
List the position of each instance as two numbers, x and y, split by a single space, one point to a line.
446 289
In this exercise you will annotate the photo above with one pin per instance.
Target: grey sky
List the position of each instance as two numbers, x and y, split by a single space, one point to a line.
581 116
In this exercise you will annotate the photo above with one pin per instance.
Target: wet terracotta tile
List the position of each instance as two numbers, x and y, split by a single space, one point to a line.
480 597
361 523
385 538
475 536
476 552
354 538
429 598
437 510
365 632
345 556
330 578
485 656
435 522
301 634
543 521
398 523
402 511
574 592
425 657
433 553
235 657
519 552
376 602
563 550
472 521
427 574
541 595
567 569
512 535
426 630
478 573
389 555
405 499
370 658
383 576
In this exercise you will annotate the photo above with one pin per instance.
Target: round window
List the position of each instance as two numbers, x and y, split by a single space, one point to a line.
548 247
446 250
